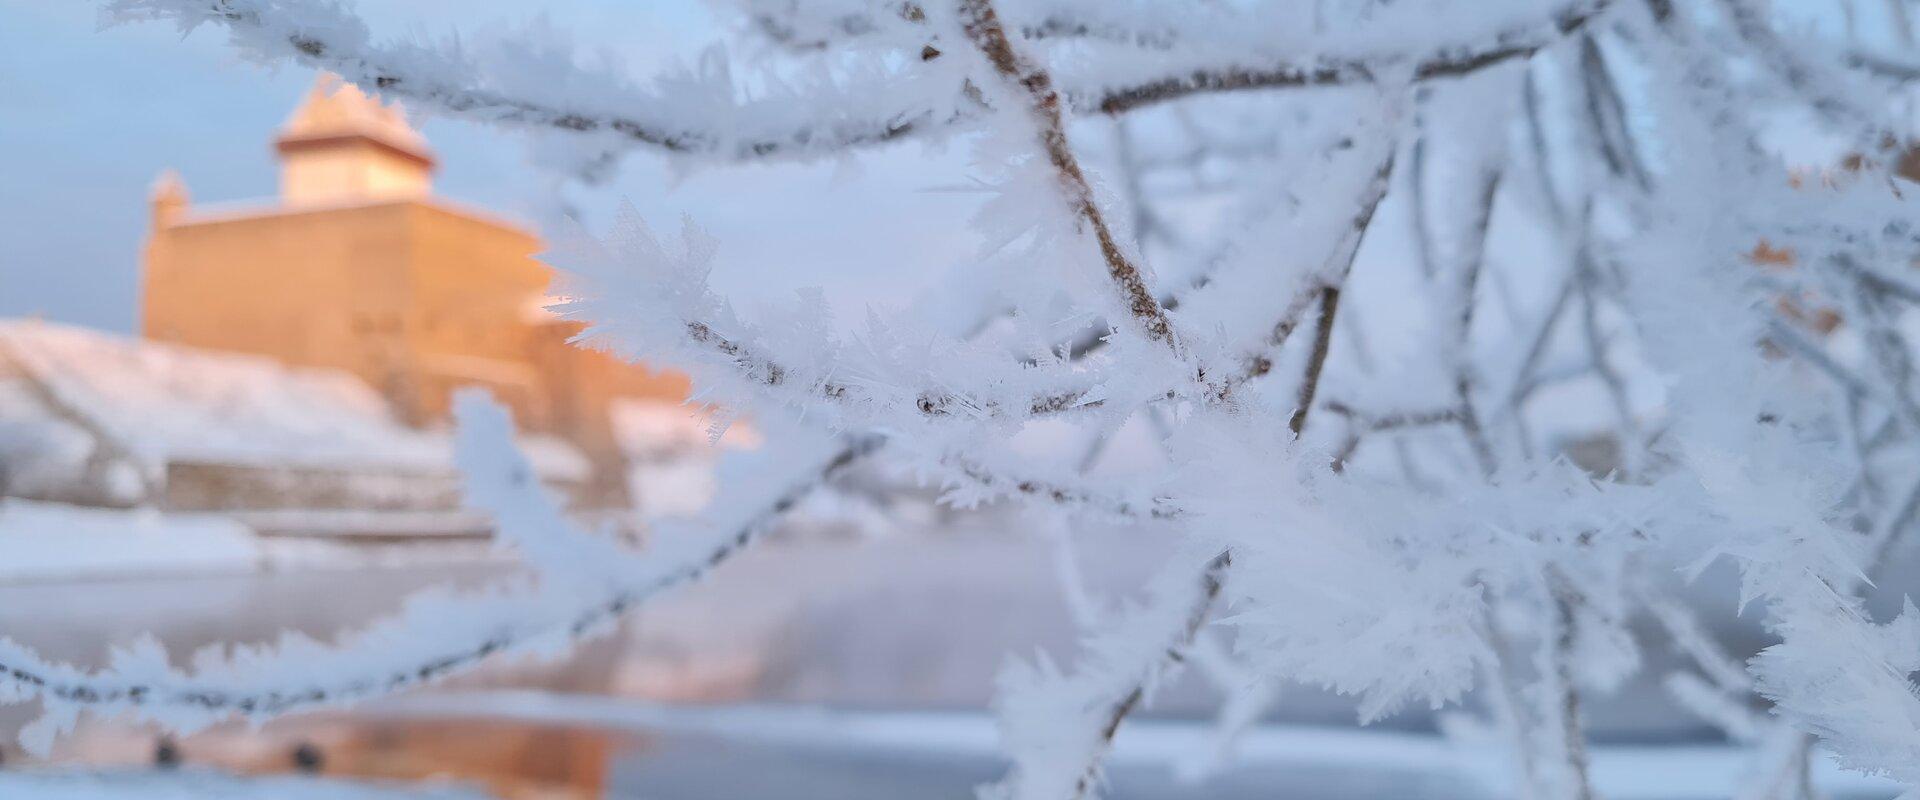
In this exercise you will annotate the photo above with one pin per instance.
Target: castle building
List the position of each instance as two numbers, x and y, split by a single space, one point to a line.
359 267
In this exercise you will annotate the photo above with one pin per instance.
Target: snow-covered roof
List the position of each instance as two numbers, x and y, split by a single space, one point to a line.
163 402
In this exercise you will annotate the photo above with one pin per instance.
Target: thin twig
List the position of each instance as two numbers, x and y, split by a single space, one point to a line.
1573 740
1467 292
1607 113
1316 359
1632 442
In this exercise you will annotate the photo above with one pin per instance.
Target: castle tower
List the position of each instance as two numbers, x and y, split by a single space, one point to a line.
358 267
342 146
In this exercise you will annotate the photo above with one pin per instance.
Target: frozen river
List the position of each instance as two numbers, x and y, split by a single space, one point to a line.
902 635
698 768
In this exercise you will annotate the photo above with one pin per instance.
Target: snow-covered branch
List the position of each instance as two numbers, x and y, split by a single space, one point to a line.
1028 79
1060 725
687 113
1454 61
1320 286
585 583
702 115
649 298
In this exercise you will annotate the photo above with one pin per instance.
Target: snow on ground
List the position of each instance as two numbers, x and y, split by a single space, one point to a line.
190 784
50 542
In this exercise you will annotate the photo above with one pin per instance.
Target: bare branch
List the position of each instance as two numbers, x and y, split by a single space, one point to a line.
1316 359
1394 420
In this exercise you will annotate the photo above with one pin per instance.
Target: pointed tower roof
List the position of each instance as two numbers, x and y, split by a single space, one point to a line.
336 111
169 187
167 198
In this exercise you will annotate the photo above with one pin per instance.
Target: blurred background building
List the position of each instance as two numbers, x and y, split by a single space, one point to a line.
274 452
301 353
359 267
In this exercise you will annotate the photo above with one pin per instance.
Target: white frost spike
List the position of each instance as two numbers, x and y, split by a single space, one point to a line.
1057 725
528 518
38 736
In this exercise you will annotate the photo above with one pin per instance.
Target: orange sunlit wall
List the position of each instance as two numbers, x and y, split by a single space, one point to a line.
358 267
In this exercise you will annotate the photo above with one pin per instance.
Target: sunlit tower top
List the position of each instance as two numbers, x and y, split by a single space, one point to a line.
342 146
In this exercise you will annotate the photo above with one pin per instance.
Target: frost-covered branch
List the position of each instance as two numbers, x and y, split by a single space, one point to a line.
701 115
649 298
971 483
693 114
1316 358
1392 420
1507 46
1322 287
1026 77
586 582
1567 604
769 373
1059 725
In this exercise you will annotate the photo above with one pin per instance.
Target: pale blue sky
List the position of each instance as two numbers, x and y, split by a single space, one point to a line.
88 116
